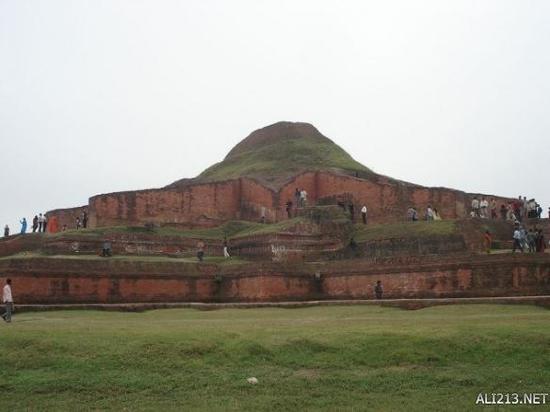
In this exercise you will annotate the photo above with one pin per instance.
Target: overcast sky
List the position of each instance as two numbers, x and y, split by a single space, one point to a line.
101 96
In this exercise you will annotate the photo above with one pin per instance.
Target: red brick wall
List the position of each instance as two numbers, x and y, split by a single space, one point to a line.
51 281
195 205
211 204
58 218
254 196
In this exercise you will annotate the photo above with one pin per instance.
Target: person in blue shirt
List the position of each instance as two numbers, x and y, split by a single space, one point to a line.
23 226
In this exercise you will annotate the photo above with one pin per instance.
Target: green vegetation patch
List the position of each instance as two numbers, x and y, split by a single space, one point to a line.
279 161
232 229
322 358
364 233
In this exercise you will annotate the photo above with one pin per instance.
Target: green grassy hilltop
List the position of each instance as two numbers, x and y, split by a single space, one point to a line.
321 358
280 151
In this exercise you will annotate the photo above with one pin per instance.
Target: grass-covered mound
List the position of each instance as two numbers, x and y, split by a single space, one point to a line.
401 230
277 152
232 230
323 358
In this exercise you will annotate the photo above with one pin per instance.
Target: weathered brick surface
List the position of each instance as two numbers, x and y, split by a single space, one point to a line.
195 205
211 204
60 217
63 281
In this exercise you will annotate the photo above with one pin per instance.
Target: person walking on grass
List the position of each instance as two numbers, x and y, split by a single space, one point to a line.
200 250
8 301
364 214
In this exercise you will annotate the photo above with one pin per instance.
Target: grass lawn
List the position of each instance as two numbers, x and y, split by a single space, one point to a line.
232 230
364 233
219 260
321 358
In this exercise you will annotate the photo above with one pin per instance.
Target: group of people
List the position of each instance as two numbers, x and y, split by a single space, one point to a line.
531 240
300 200
431 213
201 247
515 211
40 224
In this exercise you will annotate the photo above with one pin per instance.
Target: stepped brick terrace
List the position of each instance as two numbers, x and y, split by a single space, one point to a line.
282 248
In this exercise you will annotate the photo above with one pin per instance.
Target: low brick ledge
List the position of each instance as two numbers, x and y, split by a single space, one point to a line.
400 303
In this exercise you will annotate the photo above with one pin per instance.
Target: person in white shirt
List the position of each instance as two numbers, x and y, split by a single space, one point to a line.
364 214
475 207
226 249
429 213
8 301
303 197
40 222
484 206
517 241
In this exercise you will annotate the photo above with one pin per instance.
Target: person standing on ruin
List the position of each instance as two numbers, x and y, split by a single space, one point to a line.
262 214
429 213
487 241
541 242
34 223
78 223
297 197
289 209
303 197
378 290
364 211
475 207
200 250
494 214
532 239
437 216
351 209
484 208
23 226
226 249
84 220
8 301
6 231
45 224
107 249
503 211
517 241
40 222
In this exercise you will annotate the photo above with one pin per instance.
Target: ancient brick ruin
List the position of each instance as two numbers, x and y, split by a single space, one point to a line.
320 252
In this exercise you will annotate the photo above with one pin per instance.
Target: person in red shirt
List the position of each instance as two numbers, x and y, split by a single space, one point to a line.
487 241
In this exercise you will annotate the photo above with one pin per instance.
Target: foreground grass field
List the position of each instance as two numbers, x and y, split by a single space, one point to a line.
327 358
